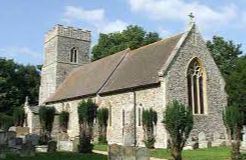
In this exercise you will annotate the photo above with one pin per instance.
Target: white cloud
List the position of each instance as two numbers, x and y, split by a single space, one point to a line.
94 17
75 13
21 54
179 9
114 26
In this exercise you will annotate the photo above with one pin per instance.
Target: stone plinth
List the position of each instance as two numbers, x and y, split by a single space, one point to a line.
117 152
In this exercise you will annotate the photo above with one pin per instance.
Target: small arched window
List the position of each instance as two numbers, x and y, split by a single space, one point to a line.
196 87
73 55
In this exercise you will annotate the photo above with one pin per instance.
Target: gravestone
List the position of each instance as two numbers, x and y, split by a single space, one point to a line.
2 154
243 143
52 146
3 137
65 146
27 150
217 141
202 141
34 138
75 144
117 152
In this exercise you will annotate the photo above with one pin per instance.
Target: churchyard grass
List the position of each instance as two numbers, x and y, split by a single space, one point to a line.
61 156
214 153
100 147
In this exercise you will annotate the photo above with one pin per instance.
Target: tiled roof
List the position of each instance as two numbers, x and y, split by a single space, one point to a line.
123 70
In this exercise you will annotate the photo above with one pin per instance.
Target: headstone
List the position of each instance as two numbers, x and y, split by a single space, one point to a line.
75 144
203 143
3 138
2 154
27 150
12 129
243 143
127 153
217 141
52 146
65 146
34 138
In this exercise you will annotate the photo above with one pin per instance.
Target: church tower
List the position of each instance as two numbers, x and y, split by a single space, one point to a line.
65 48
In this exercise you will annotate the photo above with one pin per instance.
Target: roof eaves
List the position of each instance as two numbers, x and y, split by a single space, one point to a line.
165 67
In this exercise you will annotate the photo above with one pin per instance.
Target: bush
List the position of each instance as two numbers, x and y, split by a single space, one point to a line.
63 120
233 120
87 113
46 116
19 116
178 121
149 119
5 121
102 118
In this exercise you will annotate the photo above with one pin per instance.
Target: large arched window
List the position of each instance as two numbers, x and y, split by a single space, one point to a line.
196 87
73 55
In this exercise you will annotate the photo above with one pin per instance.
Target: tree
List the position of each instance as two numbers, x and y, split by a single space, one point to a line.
132 37
236 86
225 54
16 82
19 116
178 121
46 117
149 119
87 113
233 120
102 118
63 120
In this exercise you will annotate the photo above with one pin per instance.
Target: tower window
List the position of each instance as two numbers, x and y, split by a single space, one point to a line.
73 55
195 79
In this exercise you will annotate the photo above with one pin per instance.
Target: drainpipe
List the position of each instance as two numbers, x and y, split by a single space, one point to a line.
135 125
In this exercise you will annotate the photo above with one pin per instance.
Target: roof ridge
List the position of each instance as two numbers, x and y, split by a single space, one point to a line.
147 45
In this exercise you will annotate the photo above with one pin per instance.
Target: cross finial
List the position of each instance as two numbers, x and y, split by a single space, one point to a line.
191 17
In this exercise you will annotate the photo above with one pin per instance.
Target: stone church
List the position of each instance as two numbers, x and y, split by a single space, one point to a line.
179 67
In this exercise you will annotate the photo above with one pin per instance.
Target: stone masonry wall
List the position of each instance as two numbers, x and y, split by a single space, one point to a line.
116 133
210 123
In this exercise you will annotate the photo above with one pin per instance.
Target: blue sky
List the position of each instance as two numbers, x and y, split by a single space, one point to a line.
24 23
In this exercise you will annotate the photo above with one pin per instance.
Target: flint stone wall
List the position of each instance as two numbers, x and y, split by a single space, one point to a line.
215 101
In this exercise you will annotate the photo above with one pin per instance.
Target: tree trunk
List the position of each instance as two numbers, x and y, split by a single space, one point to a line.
176 153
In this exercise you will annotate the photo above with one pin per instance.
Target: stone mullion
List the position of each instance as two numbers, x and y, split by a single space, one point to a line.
198 95
192 95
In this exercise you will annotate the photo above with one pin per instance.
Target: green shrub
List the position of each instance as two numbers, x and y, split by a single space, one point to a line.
102 118
46 116
233 120
178 121
63 120
149 119
19 116
6 121
87 113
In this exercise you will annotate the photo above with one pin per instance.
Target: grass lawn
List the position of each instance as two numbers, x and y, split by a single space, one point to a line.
100 147
61 156
215 153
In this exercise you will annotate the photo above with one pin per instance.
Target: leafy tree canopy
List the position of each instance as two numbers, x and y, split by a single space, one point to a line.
132 37
236 86
16 82
228 57
225 54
